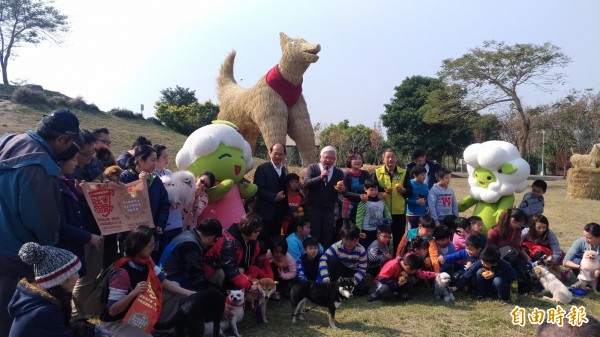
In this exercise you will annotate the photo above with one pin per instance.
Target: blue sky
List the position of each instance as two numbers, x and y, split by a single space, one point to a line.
122 53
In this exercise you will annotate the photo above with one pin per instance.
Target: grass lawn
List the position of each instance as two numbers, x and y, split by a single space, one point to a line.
425 316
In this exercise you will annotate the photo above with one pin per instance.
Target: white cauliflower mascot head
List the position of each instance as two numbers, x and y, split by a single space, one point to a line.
496 172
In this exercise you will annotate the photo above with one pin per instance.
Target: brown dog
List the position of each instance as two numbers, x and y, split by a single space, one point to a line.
274 106
112 173
266 287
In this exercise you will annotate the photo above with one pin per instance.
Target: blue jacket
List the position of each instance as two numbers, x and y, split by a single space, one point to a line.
157 195
36 313
29 202
419 191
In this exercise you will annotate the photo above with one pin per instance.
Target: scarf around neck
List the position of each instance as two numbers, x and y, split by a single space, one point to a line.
287 90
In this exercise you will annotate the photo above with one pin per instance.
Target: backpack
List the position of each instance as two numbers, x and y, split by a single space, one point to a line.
98 298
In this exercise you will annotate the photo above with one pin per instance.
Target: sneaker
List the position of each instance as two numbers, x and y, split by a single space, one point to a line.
373 297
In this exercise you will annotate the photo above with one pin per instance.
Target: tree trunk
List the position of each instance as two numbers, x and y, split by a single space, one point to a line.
4 74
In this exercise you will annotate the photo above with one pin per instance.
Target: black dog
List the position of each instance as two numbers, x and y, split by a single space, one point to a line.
329 295
203 306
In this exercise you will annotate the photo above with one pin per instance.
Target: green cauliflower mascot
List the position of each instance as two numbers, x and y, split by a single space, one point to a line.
496 171
219 148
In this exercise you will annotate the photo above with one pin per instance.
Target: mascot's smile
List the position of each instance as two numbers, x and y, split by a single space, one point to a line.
237 169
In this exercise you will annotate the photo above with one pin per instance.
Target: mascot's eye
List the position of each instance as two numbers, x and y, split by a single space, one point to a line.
500 170
224 155
294 43
489 178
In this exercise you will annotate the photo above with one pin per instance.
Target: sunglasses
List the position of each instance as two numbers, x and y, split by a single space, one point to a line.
204 183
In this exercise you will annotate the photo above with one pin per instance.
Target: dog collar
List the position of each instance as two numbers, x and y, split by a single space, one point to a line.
286 89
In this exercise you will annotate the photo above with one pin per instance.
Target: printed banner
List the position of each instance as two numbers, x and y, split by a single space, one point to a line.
119 208
145 310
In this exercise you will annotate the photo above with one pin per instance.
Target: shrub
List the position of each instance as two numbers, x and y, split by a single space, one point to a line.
23 95
154 120
59 101
139 116
78 103
122 113
92 108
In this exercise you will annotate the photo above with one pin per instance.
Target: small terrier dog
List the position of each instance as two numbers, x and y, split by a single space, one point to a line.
266 288
552 285
234 306
442 287
589 264
112 173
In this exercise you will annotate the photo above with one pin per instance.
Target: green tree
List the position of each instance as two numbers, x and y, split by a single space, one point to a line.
177 96
27 21
185 119
427 113
494 73
346 139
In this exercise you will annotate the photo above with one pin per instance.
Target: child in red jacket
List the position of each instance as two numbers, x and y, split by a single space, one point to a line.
395 277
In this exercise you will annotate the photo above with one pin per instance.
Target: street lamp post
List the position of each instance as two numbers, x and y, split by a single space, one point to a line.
543 145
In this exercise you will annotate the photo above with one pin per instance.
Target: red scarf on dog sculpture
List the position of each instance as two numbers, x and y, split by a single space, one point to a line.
287 90
145 309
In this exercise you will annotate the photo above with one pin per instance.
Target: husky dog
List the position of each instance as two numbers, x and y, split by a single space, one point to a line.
589 264
329 295
274 106
442 287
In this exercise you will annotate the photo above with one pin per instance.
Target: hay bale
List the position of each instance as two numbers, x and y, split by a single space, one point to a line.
583 183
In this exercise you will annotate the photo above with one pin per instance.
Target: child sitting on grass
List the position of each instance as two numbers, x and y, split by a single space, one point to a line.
494 276
463 231
379 250
301 228
464 259
395 277
425 230
444 246
346 258
307 266
283 266
477 229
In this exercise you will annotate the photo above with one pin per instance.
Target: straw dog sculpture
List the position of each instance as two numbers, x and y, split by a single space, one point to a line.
274 106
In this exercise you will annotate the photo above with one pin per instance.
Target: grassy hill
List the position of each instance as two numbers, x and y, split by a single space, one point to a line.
17 118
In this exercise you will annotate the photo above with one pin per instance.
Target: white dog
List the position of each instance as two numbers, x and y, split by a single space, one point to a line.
234 307
442 287
181 187
552 285
590 264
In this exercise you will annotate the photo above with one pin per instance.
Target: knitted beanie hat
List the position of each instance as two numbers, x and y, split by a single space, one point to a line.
51 266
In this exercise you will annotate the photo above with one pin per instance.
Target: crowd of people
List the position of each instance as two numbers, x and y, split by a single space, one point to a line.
388 231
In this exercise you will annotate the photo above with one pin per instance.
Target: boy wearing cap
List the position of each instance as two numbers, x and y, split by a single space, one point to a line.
182 259
29 200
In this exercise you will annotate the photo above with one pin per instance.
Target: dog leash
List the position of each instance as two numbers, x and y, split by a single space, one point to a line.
307 310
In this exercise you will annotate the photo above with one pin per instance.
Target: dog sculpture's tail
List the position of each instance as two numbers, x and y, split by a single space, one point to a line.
226 78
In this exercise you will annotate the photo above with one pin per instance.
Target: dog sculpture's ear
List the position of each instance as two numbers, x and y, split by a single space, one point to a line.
228 292
276 283
283 40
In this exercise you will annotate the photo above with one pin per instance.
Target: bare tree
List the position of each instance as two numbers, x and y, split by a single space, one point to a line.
493 73
27 21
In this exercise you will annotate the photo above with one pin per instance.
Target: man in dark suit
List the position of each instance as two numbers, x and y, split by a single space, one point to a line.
270 197
321 181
